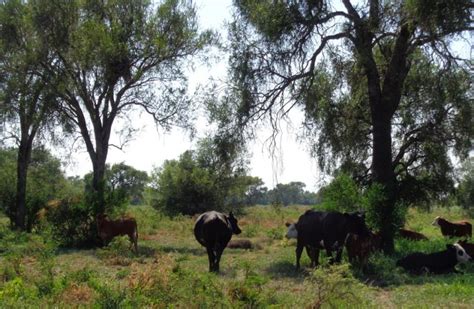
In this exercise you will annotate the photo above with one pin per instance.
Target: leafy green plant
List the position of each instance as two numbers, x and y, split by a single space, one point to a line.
342 194
334 286
72 222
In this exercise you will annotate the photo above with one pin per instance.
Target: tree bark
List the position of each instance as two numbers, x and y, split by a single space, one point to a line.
98 159
383 173
23 160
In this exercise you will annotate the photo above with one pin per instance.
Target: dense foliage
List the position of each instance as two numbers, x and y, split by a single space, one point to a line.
384 94
188 186
45 182
123 185
465 189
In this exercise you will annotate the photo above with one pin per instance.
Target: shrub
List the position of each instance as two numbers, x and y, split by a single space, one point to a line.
342 194
248 292
373 199
71 222
335 287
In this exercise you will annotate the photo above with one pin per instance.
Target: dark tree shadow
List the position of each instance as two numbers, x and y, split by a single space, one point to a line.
285 269
146 251
182 250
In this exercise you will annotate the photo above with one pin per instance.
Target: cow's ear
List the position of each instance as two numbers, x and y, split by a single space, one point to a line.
287 224
449 246
231 215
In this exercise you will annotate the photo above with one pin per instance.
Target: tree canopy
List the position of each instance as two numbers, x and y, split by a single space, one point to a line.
113 56
384 94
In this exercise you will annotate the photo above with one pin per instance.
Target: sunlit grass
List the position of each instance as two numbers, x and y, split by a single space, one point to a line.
170 268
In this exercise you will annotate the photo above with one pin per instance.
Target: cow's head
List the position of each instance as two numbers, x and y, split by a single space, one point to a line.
436 221
292 232
461 254
356 223
233 223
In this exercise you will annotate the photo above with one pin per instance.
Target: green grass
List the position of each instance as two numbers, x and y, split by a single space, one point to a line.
170 270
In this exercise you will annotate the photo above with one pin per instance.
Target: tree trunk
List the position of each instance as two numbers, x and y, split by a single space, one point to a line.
98 184
98 158
383 172
23 160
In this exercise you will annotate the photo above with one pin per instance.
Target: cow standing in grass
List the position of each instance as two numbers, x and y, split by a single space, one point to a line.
108 229
316 230
453 229
214 230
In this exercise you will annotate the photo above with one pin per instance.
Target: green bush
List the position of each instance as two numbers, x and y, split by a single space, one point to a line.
71 222
335 287
373 200
342 194
45 182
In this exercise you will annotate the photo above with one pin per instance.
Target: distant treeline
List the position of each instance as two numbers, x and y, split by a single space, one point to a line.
284 194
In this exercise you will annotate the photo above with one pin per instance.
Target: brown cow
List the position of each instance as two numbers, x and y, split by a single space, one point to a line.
360 247
108 229
453 229
411 235
467 246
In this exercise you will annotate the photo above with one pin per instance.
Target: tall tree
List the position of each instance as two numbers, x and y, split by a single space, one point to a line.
288 53
114 56
26 104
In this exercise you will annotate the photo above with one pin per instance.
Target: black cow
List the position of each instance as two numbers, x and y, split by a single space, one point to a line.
438 262
317 230
213 230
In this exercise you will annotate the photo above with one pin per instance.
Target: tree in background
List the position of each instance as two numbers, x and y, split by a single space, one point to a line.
291 193
127 180
257 193
27 104
207 178
357 66
115 56
465 189
45 182
123 184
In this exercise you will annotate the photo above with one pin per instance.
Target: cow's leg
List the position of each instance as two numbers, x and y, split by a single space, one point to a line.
309 251
314 256
299 250
339 254
219 251
211 257
328 248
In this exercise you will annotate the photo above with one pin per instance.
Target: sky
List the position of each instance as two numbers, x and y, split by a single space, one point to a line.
151 146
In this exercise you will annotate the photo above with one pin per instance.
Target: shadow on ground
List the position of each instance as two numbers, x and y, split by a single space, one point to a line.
285 269
181 250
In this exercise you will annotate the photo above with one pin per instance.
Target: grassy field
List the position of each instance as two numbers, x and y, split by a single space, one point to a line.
170 270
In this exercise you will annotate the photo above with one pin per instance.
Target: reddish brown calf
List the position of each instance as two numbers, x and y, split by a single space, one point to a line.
411 235
108 229
453 229
360 247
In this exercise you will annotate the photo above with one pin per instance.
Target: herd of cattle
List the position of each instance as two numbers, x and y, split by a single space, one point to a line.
315 231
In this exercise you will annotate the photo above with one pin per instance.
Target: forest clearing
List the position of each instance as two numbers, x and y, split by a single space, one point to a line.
171 270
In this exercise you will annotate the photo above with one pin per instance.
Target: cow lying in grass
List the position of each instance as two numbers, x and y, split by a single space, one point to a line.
411 235
438 262
108 229
453 229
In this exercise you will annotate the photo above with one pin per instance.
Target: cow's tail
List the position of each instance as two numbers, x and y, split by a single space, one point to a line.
135 238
